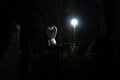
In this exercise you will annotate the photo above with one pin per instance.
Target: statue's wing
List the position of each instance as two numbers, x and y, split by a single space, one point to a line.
48 31
51 32
54 30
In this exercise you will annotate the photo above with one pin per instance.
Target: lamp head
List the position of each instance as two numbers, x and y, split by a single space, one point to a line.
74 22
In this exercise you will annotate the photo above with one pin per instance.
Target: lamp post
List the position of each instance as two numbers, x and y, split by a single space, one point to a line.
74 23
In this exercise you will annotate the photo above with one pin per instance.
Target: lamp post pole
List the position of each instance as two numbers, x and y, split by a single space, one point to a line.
74 23
74 35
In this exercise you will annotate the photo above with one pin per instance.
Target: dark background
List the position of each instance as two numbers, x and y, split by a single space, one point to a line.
99 23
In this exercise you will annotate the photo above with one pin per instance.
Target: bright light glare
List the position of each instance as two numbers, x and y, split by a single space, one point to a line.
74 22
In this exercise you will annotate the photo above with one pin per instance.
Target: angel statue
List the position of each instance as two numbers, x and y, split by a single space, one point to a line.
51 33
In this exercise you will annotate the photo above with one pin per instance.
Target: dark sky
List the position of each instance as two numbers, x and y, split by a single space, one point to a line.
57 13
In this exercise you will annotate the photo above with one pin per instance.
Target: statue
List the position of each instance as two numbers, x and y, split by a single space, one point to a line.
52 32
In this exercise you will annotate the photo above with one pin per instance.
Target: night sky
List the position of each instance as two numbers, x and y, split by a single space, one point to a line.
24 41
57 13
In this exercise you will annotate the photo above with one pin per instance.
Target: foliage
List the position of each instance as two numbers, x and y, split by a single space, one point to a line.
68 52
90 51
